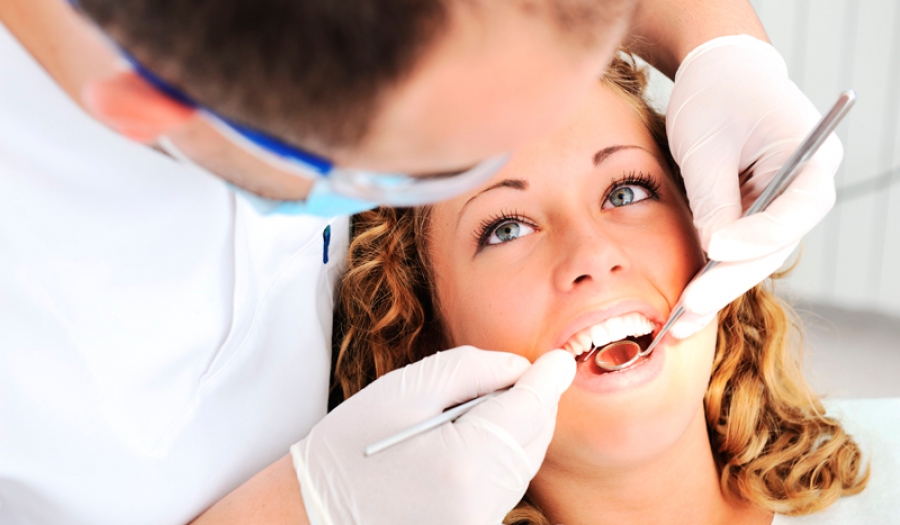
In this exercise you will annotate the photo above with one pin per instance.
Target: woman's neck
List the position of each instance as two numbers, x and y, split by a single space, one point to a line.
680 486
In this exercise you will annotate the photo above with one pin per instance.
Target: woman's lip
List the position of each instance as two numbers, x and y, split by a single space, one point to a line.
592 378
598 316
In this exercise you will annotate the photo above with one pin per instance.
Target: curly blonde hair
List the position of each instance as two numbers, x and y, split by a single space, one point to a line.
773 445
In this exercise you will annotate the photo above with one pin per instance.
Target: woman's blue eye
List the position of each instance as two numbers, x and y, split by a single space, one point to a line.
509 231
625 195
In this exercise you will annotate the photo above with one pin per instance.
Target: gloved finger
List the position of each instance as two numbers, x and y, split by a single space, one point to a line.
754 183
689 324
726 282
454 376
713 189
525 416
718 202
787 219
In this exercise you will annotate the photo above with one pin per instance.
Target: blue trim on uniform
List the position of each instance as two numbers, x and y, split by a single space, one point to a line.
326 237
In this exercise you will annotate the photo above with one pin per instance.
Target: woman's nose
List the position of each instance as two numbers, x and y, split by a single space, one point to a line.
588 257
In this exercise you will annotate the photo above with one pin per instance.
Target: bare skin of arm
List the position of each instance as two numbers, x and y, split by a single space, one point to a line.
272 496
663 32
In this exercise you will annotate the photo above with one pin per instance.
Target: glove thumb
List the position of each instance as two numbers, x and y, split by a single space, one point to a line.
453 376
526 415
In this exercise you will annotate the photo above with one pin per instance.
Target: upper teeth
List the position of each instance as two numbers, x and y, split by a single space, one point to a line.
613 329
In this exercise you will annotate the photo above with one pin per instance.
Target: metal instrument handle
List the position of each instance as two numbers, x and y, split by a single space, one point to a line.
780 182
445 417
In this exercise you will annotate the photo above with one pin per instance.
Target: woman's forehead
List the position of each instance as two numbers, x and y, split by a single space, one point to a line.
605 118
605 129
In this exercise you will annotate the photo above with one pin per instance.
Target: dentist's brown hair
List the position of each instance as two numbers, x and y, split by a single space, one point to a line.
314 72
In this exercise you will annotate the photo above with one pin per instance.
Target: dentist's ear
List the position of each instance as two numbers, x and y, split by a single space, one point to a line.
131 106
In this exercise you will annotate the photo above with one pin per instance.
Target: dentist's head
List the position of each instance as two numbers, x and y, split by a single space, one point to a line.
396 86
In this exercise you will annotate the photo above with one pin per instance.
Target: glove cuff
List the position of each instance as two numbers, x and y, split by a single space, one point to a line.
743 42
315 509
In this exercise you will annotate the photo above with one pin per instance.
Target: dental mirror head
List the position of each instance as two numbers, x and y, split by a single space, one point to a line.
618 355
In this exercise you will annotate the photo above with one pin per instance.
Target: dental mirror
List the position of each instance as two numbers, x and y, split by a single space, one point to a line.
618 355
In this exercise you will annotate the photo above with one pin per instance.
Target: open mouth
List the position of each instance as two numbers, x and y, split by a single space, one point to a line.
622 365
620 338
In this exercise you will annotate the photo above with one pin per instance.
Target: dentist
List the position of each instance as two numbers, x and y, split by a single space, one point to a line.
175 180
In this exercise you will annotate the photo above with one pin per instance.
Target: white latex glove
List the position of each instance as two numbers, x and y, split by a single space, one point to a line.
733 121
472 471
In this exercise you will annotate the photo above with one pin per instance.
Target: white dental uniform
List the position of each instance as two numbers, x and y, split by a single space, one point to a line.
159 341
875 426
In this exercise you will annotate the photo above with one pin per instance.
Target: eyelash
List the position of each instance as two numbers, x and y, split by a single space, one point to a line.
636 178
483 233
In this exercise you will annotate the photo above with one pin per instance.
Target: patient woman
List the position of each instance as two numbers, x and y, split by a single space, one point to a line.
582 239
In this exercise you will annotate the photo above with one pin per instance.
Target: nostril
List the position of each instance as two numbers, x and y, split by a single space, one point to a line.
581 278
615 269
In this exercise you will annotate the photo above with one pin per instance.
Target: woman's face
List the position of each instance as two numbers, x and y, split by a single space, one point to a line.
582 237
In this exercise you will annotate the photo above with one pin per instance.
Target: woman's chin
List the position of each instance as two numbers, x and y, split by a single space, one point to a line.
636 437
629 421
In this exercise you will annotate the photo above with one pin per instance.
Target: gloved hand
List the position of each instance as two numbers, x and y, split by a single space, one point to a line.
472 471
733 121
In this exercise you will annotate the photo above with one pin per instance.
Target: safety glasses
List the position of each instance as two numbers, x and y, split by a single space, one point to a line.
391 189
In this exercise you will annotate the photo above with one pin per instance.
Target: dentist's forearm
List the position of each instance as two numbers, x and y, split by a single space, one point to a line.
270 497
663 32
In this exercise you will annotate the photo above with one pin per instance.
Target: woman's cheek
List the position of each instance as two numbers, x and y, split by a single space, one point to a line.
692 360
592 430
507 308
485 315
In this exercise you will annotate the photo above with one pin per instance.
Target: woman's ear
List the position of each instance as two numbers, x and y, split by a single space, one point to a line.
131 106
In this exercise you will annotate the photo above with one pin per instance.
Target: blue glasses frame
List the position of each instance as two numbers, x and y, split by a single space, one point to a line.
381 188
317 164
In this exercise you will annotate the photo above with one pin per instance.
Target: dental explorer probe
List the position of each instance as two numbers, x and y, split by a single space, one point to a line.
445 417
779 183
775 188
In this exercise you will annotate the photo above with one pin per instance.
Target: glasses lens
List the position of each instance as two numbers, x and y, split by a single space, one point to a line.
382 188
406 190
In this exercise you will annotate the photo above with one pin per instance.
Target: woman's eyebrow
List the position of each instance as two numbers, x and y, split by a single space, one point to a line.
516 184
604 153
